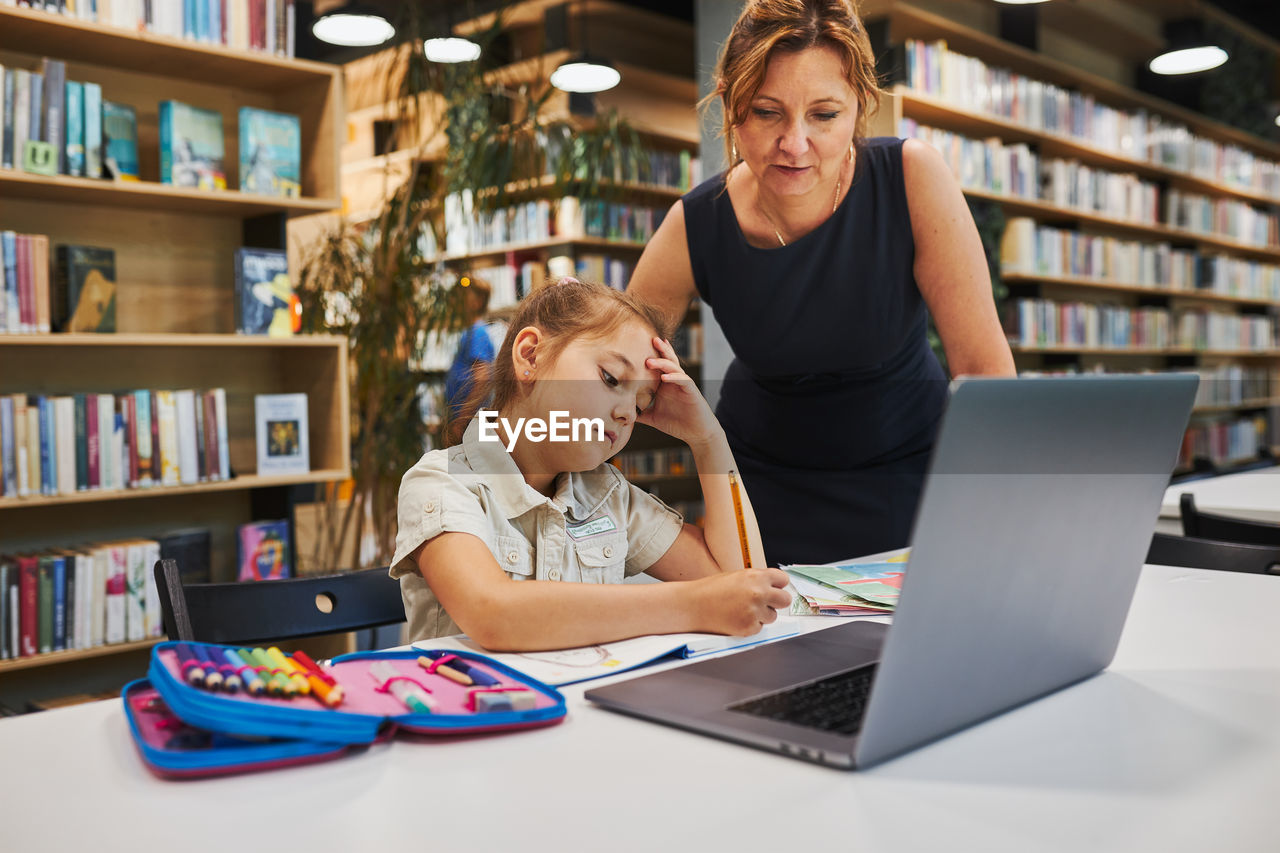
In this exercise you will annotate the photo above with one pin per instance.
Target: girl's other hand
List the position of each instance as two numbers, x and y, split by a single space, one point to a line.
678 409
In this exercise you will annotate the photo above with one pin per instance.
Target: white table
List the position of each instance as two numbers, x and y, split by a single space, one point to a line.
1175 748
1251 494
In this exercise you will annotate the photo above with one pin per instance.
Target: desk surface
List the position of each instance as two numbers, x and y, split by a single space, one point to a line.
1175 748
1251 494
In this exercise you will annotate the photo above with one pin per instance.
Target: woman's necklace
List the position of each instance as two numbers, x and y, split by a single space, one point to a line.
835 202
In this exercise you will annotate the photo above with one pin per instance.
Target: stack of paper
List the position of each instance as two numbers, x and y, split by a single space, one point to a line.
847 589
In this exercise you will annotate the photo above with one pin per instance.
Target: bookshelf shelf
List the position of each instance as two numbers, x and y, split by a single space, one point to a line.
1045 212
54 658
149 195
1243 405
939 113
1125 287
1139 351
249 481
66 37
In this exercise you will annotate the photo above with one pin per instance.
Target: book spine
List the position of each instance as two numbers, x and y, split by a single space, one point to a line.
98 598
167 418
130 403
26 302
21 113
13 313
117 584
93 443
210 406
60 603
44 619
157 468
142 437
6 567
75 128
106 430
55 84
40 272
93 130
35 108
166 141
20 420
82 442
35 474
8 449
136 593
154 619
28 606
47 474
6 141
224 459
185 425
65 415
202 460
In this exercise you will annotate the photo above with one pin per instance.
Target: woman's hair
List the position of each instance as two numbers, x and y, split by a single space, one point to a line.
562 311
767 27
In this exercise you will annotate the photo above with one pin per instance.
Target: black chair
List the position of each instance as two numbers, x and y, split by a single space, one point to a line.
1224 528
1195 553
246 613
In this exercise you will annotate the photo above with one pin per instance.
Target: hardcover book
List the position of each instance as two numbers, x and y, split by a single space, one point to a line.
191 147
282 434
85 296
120 127
265 301
93 142
270 153
263 548
75 128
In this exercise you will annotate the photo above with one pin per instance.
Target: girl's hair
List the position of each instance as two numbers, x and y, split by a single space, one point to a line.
766 27
562 311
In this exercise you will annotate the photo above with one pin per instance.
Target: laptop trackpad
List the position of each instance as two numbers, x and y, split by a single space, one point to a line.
773 666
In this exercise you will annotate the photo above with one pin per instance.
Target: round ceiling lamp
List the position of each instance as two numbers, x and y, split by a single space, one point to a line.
353 25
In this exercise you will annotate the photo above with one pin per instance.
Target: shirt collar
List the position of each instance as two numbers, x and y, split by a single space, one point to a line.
579 494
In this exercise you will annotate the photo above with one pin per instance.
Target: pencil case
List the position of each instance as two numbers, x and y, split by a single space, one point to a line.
184 730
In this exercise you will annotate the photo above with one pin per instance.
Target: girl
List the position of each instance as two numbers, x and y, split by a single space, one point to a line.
521 541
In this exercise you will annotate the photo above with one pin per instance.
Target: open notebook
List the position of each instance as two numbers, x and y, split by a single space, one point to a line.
569 666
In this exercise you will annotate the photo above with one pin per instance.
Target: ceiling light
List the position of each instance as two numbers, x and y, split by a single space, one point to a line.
451 49
583 73
353 25
1189 50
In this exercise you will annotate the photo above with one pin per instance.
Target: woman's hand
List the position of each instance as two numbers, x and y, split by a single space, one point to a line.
678 409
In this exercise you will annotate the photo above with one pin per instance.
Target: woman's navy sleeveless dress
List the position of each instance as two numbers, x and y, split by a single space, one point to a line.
834 396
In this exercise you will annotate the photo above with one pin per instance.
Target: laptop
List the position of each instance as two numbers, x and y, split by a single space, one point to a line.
1037 513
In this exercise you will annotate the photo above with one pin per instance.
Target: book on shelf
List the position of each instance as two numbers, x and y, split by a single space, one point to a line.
191 147
270 153
85 292
73 151
262 548
94 150
282 440
265 301
26 307
120 132
54 75
7 105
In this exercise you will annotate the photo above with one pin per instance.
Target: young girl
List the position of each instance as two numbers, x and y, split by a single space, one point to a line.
525 549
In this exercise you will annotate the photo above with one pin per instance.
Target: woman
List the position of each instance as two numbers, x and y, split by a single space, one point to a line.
822 253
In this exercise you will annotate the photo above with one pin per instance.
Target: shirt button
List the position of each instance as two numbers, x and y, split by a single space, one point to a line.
554 574
512 557
608 550
429 507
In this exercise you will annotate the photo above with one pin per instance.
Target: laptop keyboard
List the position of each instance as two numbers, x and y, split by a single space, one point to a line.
833 704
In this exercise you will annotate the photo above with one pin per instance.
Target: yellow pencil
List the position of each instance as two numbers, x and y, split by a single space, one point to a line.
742 522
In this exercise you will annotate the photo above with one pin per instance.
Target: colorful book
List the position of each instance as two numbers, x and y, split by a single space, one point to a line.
9 82
93 141
166 416
84 297
75 128
270 153
54 73
265 301
263 549
191 147
120 127
117 587
282 434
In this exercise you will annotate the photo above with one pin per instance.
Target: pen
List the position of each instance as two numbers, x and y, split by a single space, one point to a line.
328 693
296 678
480 677
305 659
214 664
742 524
188 665
435 667
278 683
409 693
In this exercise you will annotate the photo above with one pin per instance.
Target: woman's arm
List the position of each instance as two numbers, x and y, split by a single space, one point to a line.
663 276
502 614
950 268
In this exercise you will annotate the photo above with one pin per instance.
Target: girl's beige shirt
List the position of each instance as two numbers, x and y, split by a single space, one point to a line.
598 527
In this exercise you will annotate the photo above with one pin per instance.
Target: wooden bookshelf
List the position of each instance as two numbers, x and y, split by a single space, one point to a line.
1243 405
174 250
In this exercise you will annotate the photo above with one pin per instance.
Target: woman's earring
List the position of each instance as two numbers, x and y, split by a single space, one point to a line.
851 152
733 152
526 373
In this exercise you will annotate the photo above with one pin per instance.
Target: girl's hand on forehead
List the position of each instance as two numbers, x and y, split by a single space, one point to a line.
678 407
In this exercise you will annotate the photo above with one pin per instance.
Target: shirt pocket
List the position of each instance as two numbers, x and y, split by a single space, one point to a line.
602 558
515 556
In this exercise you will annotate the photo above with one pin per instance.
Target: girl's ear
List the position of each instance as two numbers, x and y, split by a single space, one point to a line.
524 353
